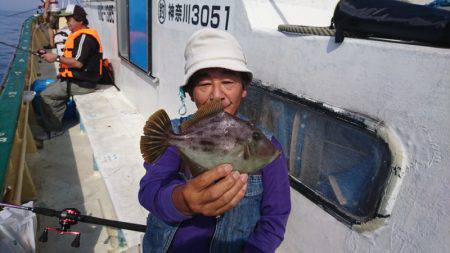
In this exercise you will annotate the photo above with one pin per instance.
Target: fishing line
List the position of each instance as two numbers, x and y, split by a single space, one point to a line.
22 12
37 53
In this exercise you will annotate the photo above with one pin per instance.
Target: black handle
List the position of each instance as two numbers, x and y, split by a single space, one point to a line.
46 211
113 223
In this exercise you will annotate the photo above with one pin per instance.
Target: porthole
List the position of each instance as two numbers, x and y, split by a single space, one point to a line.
334 160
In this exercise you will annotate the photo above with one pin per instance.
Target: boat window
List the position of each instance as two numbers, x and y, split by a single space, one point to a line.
122 28
134 32
333 159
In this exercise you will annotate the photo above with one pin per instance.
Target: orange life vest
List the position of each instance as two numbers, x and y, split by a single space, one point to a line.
64 70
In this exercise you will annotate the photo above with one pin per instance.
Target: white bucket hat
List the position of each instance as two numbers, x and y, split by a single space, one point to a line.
213 48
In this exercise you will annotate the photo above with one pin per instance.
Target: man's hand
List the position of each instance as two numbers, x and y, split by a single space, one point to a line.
70 62
49 57
211 193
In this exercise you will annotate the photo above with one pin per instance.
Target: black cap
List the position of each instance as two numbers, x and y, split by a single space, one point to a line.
74 10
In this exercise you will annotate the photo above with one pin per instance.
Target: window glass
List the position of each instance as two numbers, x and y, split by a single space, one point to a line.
122 28
133 32
138 33
333 160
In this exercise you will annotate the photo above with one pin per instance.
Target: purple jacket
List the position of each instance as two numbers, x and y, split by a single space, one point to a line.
155 195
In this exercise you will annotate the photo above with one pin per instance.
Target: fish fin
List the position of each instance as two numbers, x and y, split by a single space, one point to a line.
154 141
204 111
246 152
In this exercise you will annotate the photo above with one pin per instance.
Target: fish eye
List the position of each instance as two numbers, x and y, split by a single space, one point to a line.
256 136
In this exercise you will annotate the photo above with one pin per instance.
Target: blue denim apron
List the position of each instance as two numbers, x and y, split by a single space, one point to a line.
232 229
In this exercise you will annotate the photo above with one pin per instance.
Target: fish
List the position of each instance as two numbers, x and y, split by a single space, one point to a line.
210 138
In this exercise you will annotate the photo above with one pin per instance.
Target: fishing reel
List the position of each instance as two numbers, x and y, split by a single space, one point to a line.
71 216
40 52
67 217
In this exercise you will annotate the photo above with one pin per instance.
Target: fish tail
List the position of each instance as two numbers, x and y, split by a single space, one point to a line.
156 133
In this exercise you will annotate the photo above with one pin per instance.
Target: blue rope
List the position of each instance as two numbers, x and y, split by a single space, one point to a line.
182 111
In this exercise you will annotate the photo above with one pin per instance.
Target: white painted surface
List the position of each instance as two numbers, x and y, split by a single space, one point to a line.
405 86
269 14
114 128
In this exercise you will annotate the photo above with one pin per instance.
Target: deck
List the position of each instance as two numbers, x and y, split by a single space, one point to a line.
69 172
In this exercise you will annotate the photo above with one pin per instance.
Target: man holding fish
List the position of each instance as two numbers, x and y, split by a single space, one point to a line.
214 182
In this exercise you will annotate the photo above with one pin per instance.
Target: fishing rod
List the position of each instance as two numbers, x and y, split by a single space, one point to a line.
39 52
71 216
22 12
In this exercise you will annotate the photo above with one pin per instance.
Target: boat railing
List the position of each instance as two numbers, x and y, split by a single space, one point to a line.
16 139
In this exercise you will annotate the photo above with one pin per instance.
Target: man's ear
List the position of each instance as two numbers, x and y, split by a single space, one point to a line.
244 93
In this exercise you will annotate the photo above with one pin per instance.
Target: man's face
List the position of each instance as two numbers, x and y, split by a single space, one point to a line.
72 24
223 84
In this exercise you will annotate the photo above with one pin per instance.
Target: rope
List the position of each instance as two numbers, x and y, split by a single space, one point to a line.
309 30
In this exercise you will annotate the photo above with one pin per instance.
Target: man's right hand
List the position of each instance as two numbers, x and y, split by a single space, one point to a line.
211 193
49 57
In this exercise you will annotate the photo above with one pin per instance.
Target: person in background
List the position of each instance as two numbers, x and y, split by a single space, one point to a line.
79 71
220 210
51 16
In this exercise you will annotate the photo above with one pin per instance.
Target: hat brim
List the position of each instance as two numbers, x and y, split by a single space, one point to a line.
230 64
65 14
